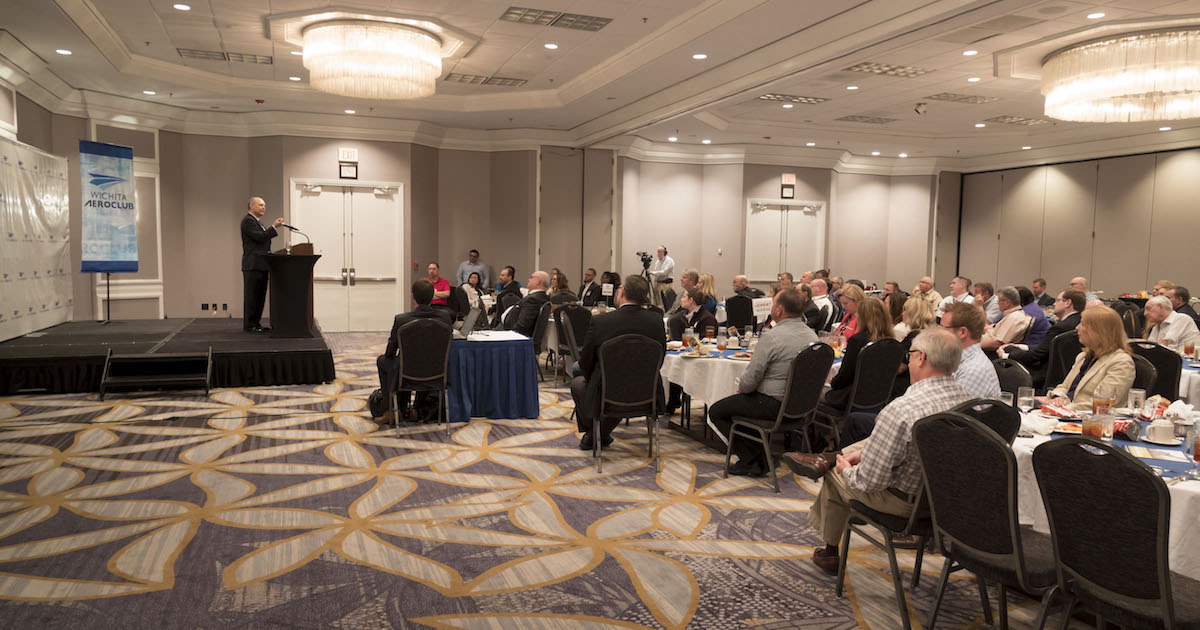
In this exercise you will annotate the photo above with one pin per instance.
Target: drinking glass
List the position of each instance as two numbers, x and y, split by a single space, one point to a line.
1092 427
1101 400
1137 398
1106 425
688 333
1025 399
1189 349
1006 398
721 342
709 332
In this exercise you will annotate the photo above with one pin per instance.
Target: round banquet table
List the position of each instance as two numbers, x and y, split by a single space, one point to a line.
1189 382
710 378
1183 547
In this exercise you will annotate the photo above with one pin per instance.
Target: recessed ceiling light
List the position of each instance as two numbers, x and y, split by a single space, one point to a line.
699 56
979 125
298 52
672 139
1096 16
1026 148
551 45
874 153
973 80
350 111
970 53
182 7
63 51
293 78
903 155
149 92
1164 128
810 144
788 105
851 87
706 141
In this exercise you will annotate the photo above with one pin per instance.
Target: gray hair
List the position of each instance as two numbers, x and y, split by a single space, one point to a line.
692 275
1161 300
942 349
1011 295
544 277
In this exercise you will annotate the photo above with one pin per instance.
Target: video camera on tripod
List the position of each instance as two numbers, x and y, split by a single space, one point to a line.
646 259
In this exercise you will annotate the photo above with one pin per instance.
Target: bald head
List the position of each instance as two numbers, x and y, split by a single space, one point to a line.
1079 283
819 287
539 280
740 283
257 206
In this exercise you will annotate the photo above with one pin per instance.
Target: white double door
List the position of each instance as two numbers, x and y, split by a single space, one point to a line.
357 231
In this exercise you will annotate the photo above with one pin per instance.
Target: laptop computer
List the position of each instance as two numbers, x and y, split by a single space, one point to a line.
468 324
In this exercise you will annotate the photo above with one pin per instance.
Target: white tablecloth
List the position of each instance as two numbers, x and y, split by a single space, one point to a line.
708 379
1184 543
1189 385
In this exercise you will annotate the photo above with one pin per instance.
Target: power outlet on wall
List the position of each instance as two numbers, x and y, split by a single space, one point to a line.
204 306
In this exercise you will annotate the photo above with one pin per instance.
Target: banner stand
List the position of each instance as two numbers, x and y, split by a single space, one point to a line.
109 236
107 298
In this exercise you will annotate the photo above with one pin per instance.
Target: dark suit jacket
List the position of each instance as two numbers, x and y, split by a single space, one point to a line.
699 320
256 241
630 318
1046 301
523 318
812 316
1037 358
1187 309
512 288
423 311
590 294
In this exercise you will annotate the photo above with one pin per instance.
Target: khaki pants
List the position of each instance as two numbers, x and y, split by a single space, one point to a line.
659 288
830 514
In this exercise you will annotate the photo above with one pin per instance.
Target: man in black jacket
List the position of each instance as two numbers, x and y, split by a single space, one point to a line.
508 286
1037 359
633 315
523 318
256 241
422 294
590 292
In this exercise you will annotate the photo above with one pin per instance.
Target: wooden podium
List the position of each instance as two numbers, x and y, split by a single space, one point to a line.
292 291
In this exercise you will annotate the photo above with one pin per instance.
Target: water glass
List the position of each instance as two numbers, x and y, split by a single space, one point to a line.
1106 425
1137 398
1006 398
1102 400
1025 399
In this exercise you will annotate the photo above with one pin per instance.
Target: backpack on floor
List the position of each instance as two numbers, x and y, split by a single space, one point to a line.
376 403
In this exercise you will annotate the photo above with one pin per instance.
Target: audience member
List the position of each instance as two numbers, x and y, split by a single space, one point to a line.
696 318
890 287
975 372
441 286
1160 287
1181 301
895 308
873 324
1013 323
508 286
762 385
858 283
1036 359
708 285
633 315
786 280
472 265
560 291
512 279
1040 296
1105 363
806 277
590 292
1041 325
613 278
925 291
812 314
522 318
850 298
662 270
820 291
689 280
1079 283
473 288
1165 326
916 314
835 287
960 291
422 294
883 472
741 286
985 298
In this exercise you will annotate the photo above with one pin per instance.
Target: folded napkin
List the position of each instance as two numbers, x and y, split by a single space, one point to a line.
1038 424
1181 410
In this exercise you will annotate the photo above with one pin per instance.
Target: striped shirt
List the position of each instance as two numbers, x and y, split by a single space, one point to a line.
976 373
889 458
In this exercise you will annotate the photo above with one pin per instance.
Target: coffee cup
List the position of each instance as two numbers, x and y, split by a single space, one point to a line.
1161 430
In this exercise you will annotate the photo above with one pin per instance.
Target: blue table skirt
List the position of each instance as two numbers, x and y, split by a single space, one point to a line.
1169 468
492 379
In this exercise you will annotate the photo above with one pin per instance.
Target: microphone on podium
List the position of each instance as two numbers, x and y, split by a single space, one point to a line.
292 228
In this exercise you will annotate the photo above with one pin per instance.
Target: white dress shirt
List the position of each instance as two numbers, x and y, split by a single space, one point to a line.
662 269
1175 331
950 299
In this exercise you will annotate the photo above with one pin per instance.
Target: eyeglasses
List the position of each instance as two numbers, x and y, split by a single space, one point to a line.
908 355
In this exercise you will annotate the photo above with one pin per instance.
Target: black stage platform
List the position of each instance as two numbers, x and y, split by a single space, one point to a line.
69 357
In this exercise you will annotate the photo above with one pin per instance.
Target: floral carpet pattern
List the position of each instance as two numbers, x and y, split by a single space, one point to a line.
289 507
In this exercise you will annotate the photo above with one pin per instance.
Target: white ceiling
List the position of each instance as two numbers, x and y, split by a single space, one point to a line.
633 83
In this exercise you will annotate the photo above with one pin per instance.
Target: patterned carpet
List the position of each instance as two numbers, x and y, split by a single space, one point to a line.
287 507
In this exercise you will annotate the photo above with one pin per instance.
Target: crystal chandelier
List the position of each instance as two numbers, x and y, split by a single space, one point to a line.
1129 78
369 59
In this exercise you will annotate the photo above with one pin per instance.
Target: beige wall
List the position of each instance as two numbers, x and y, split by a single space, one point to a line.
1122 222
514 193
945 243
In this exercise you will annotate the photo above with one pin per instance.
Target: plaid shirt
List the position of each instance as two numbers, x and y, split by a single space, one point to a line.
889 459
977 374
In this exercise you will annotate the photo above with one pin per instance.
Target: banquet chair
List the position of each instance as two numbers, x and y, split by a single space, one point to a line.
668 298
1124 575
422 365
995 415
1168 364
878 362
1012 375
971 481
739 311
1144 373
1063 350
1130 323
508 300
1024 336
579 318
806 377
629 388
539 333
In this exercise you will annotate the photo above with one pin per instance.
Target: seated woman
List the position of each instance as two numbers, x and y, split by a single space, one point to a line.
708 285
473 289
560 290
1104 365
694 317
916 316
874 324
895 307
850 297
613 278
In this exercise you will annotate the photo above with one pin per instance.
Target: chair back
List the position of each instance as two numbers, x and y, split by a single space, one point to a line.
878 362
508 300
1144 373
739 311
1063 350
539 327
1012 375
995 415
971 483
568 332
835 316
424 357
579 318
806 379
629 376
668 298
1021 338
1130 322
824 317
1085 482
1168 364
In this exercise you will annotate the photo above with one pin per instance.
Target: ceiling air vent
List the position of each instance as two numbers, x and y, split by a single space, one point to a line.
870 120
479 79
217 55
1018 120
970 99
543 17
791 98
887 69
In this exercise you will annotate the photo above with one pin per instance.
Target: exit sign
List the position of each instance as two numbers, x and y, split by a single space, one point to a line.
788 179
347 154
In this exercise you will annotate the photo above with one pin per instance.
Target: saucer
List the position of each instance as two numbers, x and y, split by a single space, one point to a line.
1172 442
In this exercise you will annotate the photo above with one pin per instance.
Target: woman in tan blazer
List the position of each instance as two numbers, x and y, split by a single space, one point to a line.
1105 362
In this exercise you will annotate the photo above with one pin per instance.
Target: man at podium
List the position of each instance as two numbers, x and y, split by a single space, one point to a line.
256 242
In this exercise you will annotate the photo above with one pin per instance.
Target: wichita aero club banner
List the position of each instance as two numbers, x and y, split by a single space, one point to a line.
109 216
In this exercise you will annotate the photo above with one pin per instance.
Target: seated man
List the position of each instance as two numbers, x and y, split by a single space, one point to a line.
590 292
820 291
508 286
422 294
523 317
959 292
882 472
1036 359
1166 327
1080 283
1013 321
1181 300
698 320
1043 299
690 279
985 298
633 315
741 286
925 291
760 391
975 371
812 314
